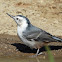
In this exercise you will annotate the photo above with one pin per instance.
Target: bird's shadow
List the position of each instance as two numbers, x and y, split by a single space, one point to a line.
25 49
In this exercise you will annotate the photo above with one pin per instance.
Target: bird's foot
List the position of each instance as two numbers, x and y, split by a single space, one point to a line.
41 53
37 55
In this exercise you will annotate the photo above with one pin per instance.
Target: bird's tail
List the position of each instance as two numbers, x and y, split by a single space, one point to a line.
57 39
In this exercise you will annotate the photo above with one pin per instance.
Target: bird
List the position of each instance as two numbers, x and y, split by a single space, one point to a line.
31 35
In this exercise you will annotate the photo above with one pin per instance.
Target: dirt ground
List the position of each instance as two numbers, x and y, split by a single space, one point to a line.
10 45
45 14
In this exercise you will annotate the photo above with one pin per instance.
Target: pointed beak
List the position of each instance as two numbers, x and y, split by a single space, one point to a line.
10 15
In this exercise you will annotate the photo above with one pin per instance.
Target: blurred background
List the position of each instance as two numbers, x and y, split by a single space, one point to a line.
45 14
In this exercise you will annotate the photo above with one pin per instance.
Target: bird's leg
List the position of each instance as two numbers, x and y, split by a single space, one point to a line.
37 52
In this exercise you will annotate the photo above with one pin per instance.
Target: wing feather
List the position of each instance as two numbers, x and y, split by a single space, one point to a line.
38 35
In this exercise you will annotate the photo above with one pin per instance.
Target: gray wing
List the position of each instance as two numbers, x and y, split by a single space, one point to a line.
38 35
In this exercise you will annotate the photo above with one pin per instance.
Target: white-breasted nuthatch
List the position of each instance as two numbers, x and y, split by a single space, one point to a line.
32 36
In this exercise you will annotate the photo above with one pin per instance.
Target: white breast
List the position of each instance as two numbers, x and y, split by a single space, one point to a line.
20 31
22 28
24 40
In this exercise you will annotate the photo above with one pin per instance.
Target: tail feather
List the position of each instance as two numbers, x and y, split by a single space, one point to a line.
58 39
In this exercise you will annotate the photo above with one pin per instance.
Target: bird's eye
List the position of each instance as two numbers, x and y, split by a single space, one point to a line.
17 18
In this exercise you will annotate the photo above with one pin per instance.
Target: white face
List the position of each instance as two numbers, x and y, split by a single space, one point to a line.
19 20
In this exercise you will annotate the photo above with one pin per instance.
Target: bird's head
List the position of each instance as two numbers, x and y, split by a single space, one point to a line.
20 20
